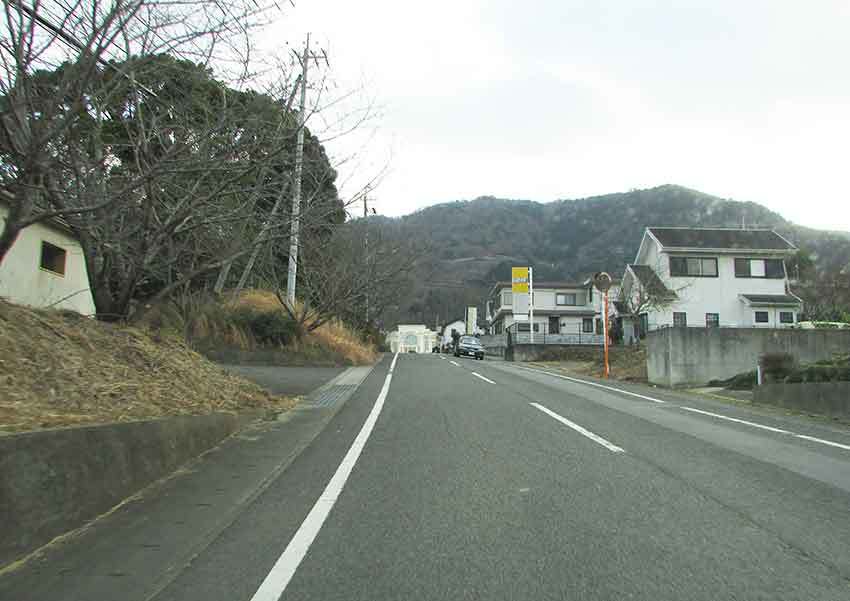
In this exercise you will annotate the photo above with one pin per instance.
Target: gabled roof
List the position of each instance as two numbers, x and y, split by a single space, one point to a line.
672 238
651 282
541 284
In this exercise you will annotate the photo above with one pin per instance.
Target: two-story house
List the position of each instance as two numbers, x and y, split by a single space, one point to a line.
559 308
710 277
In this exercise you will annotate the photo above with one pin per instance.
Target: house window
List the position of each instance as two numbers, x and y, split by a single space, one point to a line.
507 298
786 317
699 267
523 327
680 320
587 325
762 317
773 269
742 268
537 327
53 258
712 320
565 299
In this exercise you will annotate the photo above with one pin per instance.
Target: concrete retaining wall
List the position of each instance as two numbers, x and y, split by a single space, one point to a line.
824 398
534 352
695 356
54 481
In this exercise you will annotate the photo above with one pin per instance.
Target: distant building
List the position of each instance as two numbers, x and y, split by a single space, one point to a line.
412 338
709 277
459 325
560 307
45 268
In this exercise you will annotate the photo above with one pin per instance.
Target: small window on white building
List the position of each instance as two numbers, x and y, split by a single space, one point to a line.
587 325
762 317
680 320
507 298
712 320
53 258
568 299
786 317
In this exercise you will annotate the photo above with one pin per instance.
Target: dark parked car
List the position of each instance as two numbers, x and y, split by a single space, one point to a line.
469 346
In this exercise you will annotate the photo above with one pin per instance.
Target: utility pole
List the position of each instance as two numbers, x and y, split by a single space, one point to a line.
296 180
366 247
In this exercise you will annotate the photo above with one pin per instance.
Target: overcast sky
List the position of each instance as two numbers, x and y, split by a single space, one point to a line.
552 99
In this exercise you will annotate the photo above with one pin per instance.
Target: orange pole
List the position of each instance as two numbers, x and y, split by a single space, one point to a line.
605 318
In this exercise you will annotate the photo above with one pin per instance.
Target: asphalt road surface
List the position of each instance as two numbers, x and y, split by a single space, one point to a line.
444 478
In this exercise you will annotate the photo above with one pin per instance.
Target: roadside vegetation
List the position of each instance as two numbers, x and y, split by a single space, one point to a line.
627 363
783 368
62 369
255 321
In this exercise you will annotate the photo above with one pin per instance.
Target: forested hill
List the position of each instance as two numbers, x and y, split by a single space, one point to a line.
473 243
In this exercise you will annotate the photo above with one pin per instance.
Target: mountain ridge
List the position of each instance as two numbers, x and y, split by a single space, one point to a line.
570 239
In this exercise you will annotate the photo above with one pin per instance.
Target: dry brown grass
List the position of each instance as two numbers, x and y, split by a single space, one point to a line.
332 342
626 364
60 369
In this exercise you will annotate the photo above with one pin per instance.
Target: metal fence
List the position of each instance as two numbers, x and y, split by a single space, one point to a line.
512 337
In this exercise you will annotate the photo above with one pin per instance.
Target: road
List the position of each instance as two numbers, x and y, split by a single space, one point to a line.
445 478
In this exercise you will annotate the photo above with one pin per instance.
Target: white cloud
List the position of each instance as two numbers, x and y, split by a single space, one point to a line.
566 99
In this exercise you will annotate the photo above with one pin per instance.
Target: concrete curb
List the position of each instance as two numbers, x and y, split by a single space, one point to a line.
54 481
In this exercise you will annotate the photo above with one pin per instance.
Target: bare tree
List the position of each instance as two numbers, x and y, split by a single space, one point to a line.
61 61
644 291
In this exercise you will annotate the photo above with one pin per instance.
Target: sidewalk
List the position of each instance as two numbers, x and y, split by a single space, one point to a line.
284 379
138 548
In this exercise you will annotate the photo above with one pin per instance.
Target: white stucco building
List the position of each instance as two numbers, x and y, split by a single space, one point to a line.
415 338
567 309
711 277
45 268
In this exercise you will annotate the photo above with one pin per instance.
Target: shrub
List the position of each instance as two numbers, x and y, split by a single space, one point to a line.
777 366
267 327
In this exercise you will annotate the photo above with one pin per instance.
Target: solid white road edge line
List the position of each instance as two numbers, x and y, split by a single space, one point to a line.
392 365
620 390
595 438
284 568
455 363
822 441
717 415
477 375
735 419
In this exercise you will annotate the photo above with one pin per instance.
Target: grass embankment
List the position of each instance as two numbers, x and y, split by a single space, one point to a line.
256 321
60 369
626 363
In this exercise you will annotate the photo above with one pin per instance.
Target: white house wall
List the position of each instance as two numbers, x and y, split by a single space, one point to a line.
721 295
23 281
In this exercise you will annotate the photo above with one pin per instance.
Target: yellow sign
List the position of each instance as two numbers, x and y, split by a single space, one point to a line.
519 279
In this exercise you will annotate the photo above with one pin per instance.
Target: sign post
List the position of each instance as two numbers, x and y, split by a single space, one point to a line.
522 283
602 281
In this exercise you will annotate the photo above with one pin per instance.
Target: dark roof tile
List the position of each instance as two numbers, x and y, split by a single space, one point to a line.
720 238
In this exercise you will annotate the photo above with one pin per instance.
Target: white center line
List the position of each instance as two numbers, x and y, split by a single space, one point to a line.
483 378
284 568
454 363
595 438
735 419
620 390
